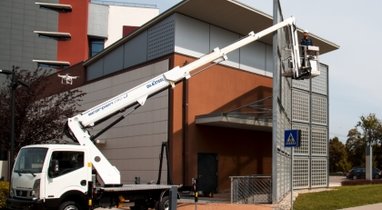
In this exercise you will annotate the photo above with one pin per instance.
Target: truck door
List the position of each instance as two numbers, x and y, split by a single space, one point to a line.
66 172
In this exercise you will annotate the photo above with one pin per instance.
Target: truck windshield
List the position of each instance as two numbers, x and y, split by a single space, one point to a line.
30 160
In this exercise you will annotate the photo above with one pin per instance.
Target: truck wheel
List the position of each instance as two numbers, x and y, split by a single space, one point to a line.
164 204
69 205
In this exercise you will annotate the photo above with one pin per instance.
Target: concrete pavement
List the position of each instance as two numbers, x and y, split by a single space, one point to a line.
377 206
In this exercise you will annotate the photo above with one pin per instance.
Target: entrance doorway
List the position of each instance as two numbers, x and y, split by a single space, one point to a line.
207 172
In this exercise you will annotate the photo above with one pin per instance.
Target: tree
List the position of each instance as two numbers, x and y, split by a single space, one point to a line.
372 127
338 158
355 146
38 118
367 130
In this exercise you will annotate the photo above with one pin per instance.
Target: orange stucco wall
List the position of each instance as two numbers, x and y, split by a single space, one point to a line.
76 23
239 151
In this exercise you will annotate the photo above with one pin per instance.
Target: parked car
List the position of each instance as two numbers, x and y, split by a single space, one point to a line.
360 173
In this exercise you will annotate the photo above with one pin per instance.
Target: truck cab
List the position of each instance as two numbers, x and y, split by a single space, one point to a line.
42 173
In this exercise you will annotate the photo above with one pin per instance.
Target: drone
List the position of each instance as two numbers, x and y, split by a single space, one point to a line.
67 79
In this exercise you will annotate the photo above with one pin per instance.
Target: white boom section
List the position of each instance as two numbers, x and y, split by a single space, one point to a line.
108 173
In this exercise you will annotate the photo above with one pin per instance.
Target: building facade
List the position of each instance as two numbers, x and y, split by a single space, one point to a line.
62 33
218 123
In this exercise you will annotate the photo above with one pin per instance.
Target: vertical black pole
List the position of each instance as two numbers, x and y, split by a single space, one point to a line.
13 89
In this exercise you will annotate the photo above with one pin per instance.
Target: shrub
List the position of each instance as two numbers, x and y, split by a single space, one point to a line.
361 182
4 190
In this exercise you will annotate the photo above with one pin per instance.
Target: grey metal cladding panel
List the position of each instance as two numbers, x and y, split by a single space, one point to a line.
98 20
135 51
44 48
19 18
113 61
191 36
46 20
138 138
5 18
146 174
221 38
104 89
95 70
161 38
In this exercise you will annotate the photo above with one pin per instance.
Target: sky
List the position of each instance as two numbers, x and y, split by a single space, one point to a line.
354 72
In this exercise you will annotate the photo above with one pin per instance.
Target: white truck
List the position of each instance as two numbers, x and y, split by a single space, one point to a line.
80 177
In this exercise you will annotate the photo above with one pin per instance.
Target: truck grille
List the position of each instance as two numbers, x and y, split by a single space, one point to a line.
23 193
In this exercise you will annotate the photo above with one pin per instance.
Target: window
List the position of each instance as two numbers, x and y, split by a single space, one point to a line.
96 45
63 162
30 160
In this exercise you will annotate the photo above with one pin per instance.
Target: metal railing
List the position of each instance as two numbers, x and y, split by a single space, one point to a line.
251 189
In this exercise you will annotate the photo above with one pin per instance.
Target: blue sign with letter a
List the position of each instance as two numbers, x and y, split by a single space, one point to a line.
292 138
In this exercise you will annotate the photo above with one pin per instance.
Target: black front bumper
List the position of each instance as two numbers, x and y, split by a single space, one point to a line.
21 204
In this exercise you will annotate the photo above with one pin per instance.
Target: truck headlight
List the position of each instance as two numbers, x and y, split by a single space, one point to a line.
12 193
36 189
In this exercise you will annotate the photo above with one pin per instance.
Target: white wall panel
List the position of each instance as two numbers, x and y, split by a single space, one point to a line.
221 38
196 38
126 16
98 20
191 36
252 57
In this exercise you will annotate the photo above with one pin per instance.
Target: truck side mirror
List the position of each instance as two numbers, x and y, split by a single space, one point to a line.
53 168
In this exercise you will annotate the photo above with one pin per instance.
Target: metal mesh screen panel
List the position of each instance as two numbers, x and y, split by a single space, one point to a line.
320 83
310 115
319 173
301 106
319 109
301 84
304 148
300 173
319 141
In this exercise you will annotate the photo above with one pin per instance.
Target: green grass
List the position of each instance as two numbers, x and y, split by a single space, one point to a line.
341 197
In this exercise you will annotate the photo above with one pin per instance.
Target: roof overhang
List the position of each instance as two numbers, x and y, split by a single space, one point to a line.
228 14
238 121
